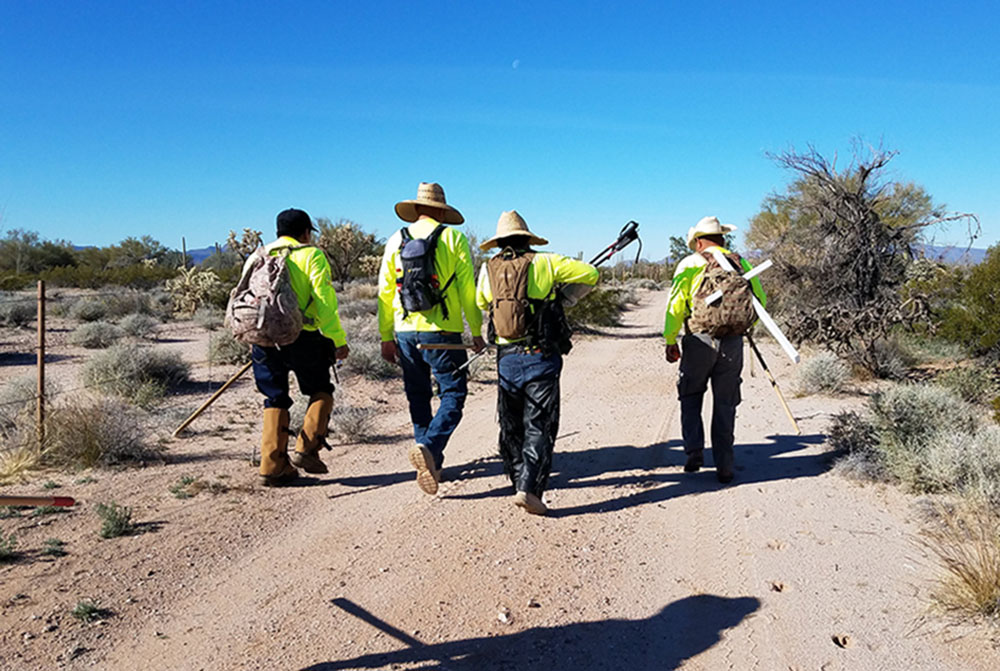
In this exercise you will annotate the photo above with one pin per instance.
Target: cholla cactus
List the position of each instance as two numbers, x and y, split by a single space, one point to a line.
193 288
246 244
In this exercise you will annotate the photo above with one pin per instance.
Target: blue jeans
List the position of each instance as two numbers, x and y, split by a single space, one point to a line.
433 429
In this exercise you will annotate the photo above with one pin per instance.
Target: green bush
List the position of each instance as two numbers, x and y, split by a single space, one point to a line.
138 325
96 335
973 319
115 520
223 349
601 307
17 312
135 373
824 372
973 384
88 310
8 545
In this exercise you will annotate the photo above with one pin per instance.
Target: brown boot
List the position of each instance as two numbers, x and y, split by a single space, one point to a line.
313 432
274 467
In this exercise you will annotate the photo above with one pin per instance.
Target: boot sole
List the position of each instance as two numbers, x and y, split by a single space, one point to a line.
308 463
536 507
427 477
277 480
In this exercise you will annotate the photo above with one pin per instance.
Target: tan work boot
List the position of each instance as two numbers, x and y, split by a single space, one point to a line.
530 503
311 436
428 476
275 470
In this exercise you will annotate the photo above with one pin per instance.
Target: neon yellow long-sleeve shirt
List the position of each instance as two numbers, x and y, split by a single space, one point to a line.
451 257
309 273
687 278
547 271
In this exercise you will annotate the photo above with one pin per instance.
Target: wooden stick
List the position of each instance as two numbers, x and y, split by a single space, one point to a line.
57 501
774 384
210 401
40 405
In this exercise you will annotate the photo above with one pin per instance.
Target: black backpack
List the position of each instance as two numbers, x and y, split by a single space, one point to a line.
418 286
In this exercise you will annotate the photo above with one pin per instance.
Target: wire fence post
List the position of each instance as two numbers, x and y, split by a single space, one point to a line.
40 414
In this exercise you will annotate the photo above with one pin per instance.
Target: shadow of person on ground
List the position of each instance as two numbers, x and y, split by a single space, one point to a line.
680 631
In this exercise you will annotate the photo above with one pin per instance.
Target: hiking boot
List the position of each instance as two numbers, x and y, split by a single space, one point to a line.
725 476
310 463
286 476
313 433
530 503
694 462
428 475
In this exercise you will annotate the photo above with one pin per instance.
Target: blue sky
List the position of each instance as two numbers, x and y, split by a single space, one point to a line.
188 119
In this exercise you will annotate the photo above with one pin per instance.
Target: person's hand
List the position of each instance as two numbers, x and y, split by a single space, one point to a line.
478 344
673 353
389 351
342 352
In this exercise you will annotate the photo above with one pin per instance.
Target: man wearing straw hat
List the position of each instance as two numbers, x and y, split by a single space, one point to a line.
449 291
716 356
519 287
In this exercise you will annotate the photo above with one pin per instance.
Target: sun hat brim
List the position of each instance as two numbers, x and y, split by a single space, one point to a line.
407 211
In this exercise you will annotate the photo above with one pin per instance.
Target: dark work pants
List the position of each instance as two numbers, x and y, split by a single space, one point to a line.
430 429
719 360
308 357
528 405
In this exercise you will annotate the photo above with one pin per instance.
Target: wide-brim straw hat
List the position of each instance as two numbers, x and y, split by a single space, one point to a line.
707 226
429 194
512 223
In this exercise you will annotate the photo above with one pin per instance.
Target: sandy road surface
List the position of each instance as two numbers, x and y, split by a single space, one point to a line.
640 566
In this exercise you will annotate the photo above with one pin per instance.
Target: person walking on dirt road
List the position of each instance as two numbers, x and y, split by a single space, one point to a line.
426 282
712 346
321 340
521 289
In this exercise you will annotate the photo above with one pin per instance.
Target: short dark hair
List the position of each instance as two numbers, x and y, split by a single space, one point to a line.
293 223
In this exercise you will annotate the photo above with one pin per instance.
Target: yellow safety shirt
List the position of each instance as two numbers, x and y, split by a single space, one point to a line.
546 272
451 257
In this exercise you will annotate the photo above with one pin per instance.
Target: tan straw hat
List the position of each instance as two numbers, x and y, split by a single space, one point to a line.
707 226
429 194
511 223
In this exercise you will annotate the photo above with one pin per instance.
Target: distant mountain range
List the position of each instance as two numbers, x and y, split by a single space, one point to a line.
956 255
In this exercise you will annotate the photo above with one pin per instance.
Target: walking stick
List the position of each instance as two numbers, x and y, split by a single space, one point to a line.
55 501
777 389
211 400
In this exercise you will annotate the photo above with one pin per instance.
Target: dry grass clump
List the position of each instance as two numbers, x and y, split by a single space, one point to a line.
973 384
17 312
138 374
924 437
357 290
88 310
366 359
88 432
965 539
357 308
223 348
138 325
209 318
96 335
355 424
824 372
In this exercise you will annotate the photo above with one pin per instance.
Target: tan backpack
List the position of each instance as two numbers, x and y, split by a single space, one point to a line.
733 314
510 312
263 308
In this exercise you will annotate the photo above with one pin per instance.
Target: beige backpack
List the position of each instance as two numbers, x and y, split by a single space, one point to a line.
733 314
510 312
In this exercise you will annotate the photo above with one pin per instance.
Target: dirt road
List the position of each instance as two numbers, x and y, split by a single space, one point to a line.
640 566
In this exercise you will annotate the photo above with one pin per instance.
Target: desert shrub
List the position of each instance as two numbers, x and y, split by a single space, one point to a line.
966 541
54 547
644 283
210 319
349 309
357 291
115 520
138 325
138 374
972 383
88 310
17 399
193 288
601 307
924 437
924 348
8 545
124 302
824 372
366 359
223 348
86 432
96 335
887 360
353 423
17 312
